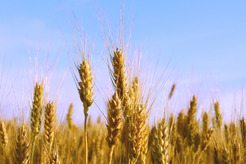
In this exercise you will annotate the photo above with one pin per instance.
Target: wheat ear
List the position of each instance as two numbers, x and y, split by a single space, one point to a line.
3 137
227 133
217 155
243 131
54 158
114 123
225 156
86 93
136 132
171 91
172 129
180 124
49 123
218 116
233 130
206 139
243 134
69 116
236 152
160 143
22 147
119 77
205 128
144 146
163 138
36 113
191 121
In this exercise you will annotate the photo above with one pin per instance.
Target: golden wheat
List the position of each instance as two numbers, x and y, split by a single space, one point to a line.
114 123
86 91
36 113
22 146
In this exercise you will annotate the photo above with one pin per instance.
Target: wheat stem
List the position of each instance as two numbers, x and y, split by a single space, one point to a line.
111 150
85 135
32 152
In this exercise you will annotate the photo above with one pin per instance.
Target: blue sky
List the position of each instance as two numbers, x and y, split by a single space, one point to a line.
204 42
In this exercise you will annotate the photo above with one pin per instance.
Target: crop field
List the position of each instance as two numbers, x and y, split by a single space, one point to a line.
127 135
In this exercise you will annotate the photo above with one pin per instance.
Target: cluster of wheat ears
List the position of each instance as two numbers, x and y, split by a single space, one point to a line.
128 136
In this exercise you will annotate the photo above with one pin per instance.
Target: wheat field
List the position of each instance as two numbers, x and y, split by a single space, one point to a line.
127 136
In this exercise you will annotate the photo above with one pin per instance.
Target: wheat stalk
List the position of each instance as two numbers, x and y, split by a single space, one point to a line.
86 93
36 113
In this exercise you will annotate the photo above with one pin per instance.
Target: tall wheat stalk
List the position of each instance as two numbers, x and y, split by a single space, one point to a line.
85 88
